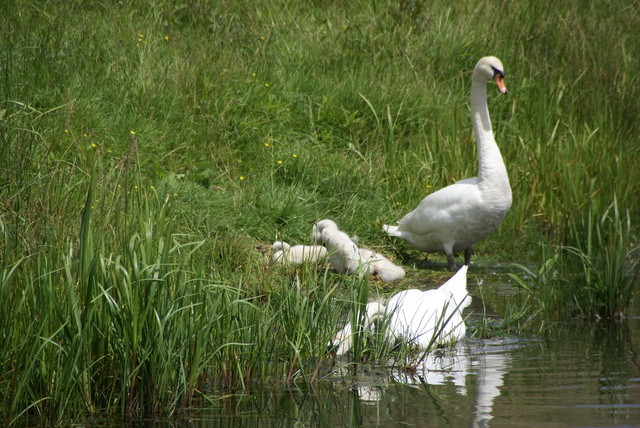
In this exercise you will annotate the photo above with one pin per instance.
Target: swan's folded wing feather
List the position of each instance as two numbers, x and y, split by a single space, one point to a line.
442 208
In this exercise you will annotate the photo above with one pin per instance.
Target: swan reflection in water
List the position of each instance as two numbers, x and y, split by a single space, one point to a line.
474 368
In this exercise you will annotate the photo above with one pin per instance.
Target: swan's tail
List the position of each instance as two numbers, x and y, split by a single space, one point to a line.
457 286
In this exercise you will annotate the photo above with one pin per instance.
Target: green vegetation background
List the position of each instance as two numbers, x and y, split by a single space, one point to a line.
153 144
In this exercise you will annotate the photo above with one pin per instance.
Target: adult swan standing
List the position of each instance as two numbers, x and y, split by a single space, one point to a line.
455 217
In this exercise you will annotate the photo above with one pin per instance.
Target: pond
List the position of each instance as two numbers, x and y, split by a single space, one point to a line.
579 374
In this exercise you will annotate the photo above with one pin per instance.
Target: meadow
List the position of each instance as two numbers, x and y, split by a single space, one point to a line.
152 151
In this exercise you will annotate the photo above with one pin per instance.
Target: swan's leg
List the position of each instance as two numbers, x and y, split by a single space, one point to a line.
467 256
448 250
451 262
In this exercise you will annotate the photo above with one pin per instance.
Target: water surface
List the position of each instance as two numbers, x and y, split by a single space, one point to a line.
581 373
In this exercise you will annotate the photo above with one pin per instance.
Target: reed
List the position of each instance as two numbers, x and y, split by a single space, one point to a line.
605 262
593 276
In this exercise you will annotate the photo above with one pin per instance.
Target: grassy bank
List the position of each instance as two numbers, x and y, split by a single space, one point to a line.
149 148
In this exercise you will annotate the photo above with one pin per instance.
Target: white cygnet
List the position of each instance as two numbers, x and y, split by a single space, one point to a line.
297 254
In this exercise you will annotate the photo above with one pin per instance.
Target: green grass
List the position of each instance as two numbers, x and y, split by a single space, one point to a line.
148 148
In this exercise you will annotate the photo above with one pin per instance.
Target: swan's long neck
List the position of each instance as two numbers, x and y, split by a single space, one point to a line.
376 312
492 173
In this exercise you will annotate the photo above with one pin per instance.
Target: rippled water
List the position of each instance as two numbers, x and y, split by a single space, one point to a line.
580 374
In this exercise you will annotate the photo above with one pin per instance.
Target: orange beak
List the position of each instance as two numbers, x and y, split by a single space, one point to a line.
500 83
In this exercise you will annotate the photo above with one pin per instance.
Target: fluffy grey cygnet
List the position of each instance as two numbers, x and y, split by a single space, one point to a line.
347 258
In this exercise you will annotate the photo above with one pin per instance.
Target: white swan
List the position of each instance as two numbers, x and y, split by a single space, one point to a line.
455 217
424 318
286 254
346 257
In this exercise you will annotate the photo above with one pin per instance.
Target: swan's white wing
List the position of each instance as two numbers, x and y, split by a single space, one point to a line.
441 210
413 312
419 315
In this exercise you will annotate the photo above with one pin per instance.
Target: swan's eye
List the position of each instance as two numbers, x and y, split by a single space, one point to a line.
497 72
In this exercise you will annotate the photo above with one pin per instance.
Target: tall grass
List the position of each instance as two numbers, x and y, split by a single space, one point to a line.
145 156
138 332
594 275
